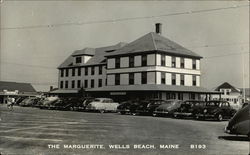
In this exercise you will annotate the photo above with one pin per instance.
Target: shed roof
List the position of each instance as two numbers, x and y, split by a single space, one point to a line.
154 42
12 86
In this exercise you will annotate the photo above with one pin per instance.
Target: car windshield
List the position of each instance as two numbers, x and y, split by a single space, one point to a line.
213 104
97 100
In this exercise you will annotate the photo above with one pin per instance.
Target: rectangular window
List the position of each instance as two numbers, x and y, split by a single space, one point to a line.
92 70
78 83
79 72
61 84
131 78
163 60
182 63
194 63
92 83
86 70
73 84
144 77
73 71
192 96
78 60
62 72
173 61
131 61
180 96
173 96
163 78
144 60
117 62
67 72
100 83
173 79
194 80
182 79
117 79
100 70
85 83
66 84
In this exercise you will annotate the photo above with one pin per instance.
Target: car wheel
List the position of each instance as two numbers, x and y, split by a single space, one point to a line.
122 113
133 114
219 117
197 117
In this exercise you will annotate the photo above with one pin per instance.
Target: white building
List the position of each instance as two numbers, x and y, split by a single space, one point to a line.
229 93
149 67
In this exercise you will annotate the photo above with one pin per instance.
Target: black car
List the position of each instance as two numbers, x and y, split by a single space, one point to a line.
188 108
218 110
20 99
128 107
82 103
148 107
167 109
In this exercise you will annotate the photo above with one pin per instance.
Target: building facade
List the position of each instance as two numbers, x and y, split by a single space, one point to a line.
149 67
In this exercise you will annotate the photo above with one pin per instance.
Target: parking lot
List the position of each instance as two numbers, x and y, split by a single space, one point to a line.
28 130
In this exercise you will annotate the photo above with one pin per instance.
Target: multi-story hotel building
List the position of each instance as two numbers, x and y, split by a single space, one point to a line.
149 67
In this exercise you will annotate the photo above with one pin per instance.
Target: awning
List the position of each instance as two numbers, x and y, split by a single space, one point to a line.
154 87
64 91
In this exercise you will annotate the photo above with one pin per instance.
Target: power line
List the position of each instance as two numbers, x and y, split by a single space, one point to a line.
123 19
224 55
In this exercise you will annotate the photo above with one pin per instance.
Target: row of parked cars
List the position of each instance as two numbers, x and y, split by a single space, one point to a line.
218 110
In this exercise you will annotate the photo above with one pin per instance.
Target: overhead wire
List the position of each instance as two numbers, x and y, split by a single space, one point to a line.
123 19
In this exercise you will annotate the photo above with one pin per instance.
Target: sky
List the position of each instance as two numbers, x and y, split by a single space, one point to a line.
37 36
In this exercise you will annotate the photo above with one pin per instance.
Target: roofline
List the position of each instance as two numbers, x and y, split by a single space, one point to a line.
69 67
154 51
73 55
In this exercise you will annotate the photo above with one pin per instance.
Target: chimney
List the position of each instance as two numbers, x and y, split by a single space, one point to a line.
158 28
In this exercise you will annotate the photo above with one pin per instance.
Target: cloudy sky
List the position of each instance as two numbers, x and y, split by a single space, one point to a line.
37 36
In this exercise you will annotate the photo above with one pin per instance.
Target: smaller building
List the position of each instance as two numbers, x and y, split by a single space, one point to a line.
14 89
229 93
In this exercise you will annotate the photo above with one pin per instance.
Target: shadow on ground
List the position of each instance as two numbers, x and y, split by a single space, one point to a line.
235 138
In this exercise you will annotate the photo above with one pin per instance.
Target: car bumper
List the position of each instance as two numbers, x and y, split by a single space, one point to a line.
123 110
183 114
206 115
161 112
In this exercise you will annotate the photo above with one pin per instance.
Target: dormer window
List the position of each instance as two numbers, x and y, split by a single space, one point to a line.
78 60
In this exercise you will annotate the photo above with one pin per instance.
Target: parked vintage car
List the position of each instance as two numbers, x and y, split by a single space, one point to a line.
239 124
29 102
168 108
47 102
148 107
20 99
102 105
82 103
216 110
128 107
188 108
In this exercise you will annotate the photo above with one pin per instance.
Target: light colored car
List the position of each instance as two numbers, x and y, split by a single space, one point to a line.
102 105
